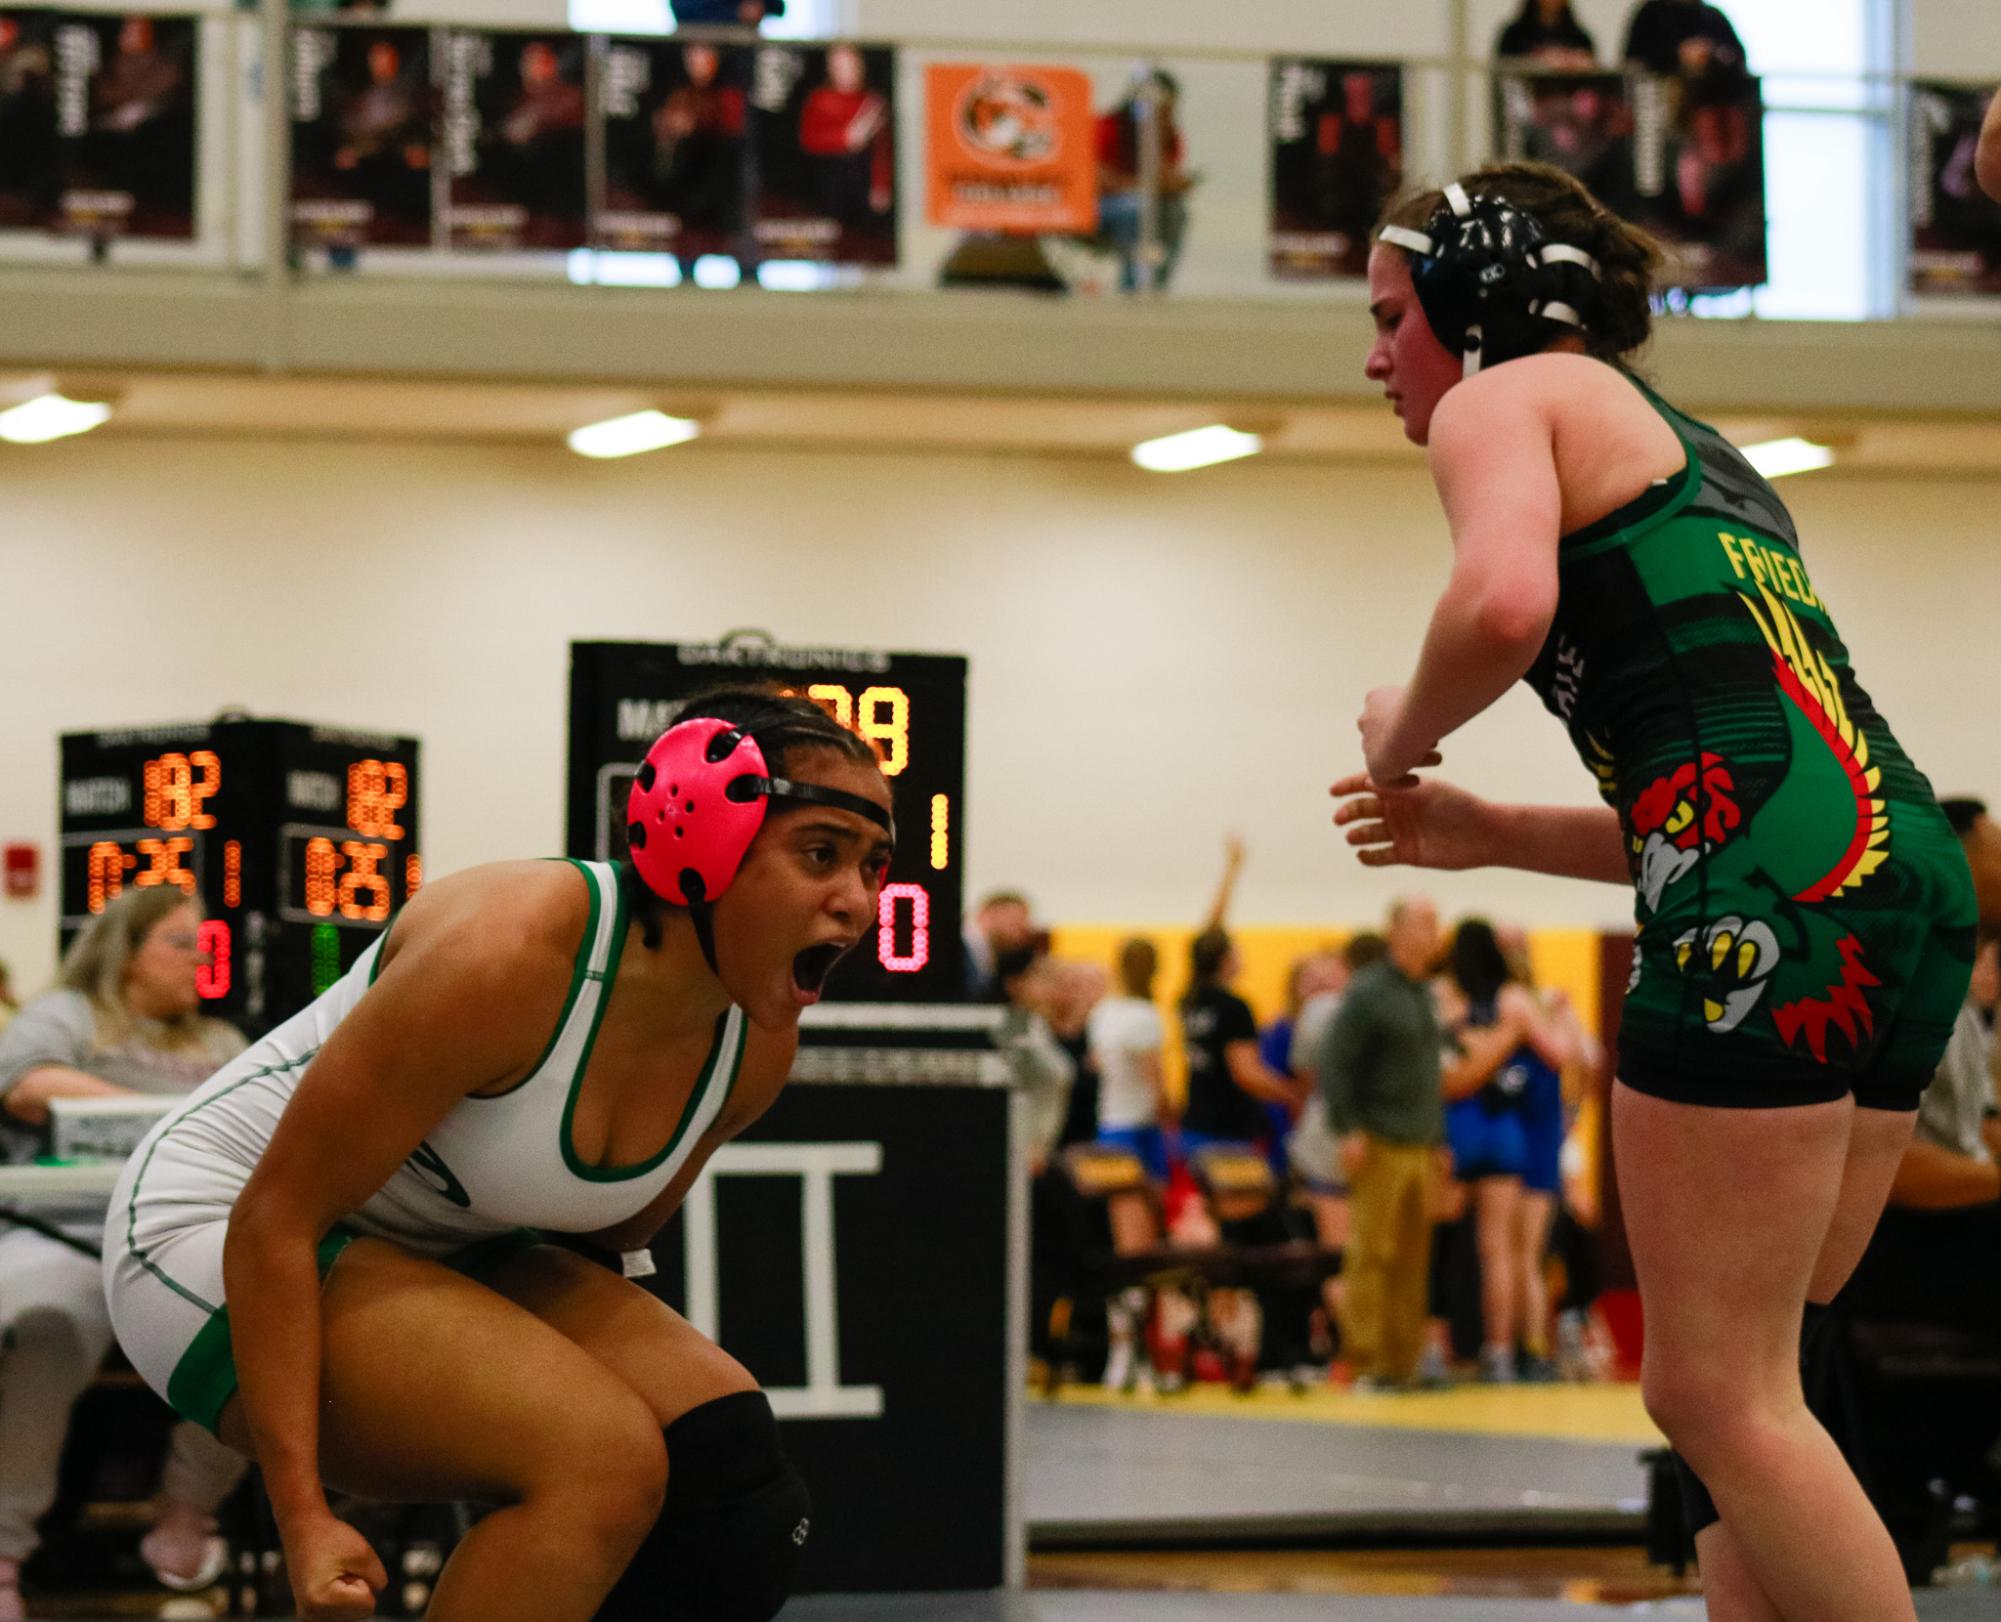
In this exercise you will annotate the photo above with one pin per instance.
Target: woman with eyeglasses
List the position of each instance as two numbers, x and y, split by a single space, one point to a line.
123 1017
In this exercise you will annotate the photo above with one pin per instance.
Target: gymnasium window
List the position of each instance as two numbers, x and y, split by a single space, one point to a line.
803 19
1830 155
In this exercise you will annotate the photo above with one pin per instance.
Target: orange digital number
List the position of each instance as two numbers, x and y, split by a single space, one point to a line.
883 717
163 857
232 873
177 787
321 860
376 791
364 878
413 874
109 863
836 700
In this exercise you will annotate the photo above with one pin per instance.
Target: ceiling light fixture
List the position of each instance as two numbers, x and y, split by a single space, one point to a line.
1776 458
630 435
50 416
1199 447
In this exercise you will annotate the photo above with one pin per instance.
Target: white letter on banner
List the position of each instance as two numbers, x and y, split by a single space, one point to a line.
816 1165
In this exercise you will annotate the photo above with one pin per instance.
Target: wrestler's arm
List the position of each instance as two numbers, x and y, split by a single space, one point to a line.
1493 458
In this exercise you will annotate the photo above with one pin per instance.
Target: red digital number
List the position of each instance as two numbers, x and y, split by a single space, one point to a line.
893 897
212 978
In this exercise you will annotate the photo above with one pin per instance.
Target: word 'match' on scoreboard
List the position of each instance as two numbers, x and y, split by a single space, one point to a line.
910 706
299 841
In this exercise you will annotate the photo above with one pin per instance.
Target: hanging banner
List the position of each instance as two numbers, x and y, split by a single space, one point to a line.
1336 161
1580 122
28 147
824 136
125 121
513 136
676 148
1699 169
361 137
1010 149
1955 227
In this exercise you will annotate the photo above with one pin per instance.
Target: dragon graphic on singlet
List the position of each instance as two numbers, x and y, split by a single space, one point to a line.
1761 795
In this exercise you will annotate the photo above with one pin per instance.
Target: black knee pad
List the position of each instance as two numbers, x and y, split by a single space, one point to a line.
1698 1509
733 1527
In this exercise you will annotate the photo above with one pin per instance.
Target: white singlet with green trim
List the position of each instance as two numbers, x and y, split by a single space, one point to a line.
491 1166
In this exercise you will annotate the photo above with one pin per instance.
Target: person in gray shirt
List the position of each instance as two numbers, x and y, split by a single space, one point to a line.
123 1018
1380 1077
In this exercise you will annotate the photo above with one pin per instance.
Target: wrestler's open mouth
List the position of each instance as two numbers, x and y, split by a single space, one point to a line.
812 966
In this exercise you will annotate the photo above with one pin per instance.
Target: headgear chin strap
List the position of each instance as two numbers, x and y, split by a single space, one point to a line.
1490 285
698 801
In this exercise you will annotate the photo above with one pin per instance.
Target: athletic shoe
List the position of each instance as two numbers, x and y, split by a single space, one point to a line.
1536 1370
1433 1372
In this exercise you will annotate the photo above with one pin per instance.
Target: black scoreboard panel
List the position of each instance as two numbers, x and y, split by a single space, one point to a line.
299 840
911 706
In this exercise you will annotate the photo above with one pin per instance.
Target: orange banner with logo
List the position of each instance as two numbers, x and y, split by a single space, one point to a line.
1011 149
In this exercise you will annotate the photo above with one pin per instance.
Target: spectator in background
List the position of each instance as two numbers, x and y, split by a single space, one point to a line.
1311 976
1043 1072
1229 1081
1124 1035
1505 1046
1932 1255
8 1006
124 1018
1000 924
1566 1055
1548 33
1988 164
1689 37
725 13
1379 1073
1980 837
1119 163
1074 990
1312 1149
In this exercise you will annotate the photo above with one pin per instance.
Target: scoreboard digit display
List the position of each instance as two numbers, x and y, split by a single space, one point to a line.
910 706
300 841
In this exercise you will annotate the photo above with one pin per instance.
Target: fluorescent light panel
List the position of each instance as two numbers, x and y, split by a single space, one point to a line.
50 416
1776 458
628 436
1199 447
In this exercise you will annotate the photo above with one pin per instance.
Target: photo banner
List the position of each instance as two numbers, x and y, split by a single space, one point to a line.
676 148
1337 142
1011 149
513 127
362 109
1955 244
1699 169
1580 122
29 152
125 125
823 134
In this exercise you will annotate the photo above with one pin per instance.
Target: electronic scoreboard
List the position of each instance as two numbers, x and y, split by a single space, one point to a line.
910 706
300 841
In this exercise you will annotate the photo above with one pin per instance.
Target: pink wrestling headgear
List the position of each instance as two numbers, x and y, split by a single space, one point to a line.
698 802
